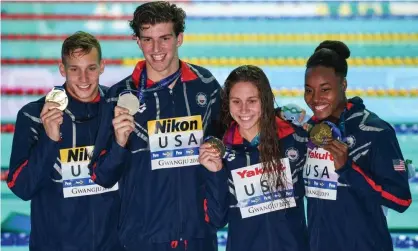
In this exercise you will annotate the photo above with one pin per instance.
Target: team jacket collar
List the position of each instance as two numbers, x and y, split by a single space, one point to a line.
84 110
186 73
233 137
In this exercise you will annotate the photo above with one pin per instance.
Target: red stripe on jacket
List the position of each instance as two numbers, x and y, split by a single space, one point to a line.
379 189
93 177
16 174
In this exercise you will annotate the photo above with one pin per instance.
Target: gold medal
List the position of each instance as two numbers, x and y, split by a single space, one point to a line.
319 133
58 96
217 144
130 102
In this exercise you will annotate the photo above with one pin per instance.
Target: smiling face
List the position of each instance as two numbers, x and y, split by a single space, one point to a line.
325 92
245 108
159 44
82 72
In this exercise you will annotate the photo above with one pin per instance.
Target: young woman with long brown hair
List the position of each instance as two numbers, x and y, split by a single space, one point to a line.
263 161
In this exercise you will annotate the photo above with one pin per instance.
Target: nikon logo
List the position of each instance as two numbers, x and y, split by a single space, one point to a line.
78 154
171 125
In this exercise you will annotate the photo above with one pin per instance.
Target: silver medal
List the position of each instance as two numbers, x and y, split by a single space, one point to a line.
130 102
58 96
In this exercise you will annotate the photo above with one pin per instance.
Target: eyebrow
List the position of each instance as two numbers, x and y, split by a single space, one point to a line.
165 35
321 85
73 65
240 98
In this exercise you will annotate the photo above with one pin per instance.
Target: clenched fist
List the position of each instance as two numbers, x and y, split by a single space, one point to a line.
52 119
123 123
210 158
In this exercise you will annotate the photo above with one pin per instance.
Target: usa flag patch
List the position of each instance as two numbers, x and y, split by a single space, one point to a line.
398 165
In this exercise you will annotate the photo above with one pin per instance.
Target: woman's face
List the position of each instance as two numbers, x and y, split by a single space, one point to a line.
245 107
324 92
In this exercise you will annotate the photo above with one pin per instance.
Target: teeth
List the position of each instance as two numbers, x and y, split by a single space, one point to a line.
320 107
245 118
158 57
83 86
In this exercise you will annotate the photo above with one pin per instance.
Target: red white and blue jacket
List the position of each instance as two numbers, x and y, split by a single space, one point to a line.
282 230
82 223
163 207
374 176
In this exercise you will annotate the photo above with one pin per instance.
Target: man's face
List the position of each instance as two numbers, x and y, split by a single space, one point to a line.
159 45
82 72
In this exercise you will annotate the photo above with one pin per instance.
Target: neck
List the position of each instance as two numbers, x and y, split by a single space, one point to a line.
156 76
249 134
335 116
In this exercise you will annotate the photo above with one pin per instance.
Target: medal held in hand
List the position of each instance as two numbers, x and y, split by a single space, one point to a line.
216 144
129 101
319 134
323 131
58 96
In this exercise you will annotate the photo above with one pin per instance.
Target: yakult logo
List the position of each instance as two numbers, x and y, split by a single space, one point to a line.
258 171
325 156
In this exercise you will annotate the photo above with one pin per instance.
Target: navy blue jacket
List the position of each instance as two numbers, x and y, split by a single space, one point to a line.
282 230
85 223
373 177
165 205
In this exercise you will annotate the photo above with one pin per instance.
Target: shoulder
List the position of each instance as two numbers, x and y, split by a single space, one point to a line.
367 129
203 75
290 132
117 88
33 108
199 70
366 122
103 89
294 145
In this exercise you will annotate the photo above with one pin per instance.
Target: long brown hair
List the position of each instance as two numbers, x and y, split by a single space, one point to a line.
269 147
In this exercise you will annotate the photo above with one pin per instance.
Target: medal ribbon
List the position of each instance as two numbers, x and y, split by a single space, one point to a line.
157 85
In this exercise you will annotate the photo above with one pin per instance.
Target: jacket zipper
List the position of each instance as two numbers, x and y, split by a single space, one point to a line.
180 229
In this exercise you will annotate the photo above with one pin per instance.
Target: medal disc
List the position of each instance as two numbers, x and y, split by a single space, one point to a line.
58 96
217 144
319 133
130 102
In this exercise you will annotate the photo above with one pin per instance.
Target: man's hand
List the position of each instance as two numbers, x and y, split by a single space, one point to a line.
123 123
52 118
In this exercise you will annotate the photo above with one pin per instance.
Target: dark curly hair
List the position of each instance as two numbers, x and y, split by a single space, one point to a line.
269 147
331 54
157 12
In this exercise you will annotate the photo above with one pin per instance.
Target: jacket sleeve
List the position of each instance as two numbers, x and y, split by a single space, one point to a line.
216 203
107 164
300 138
387 181
216 183
212 118
33 157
